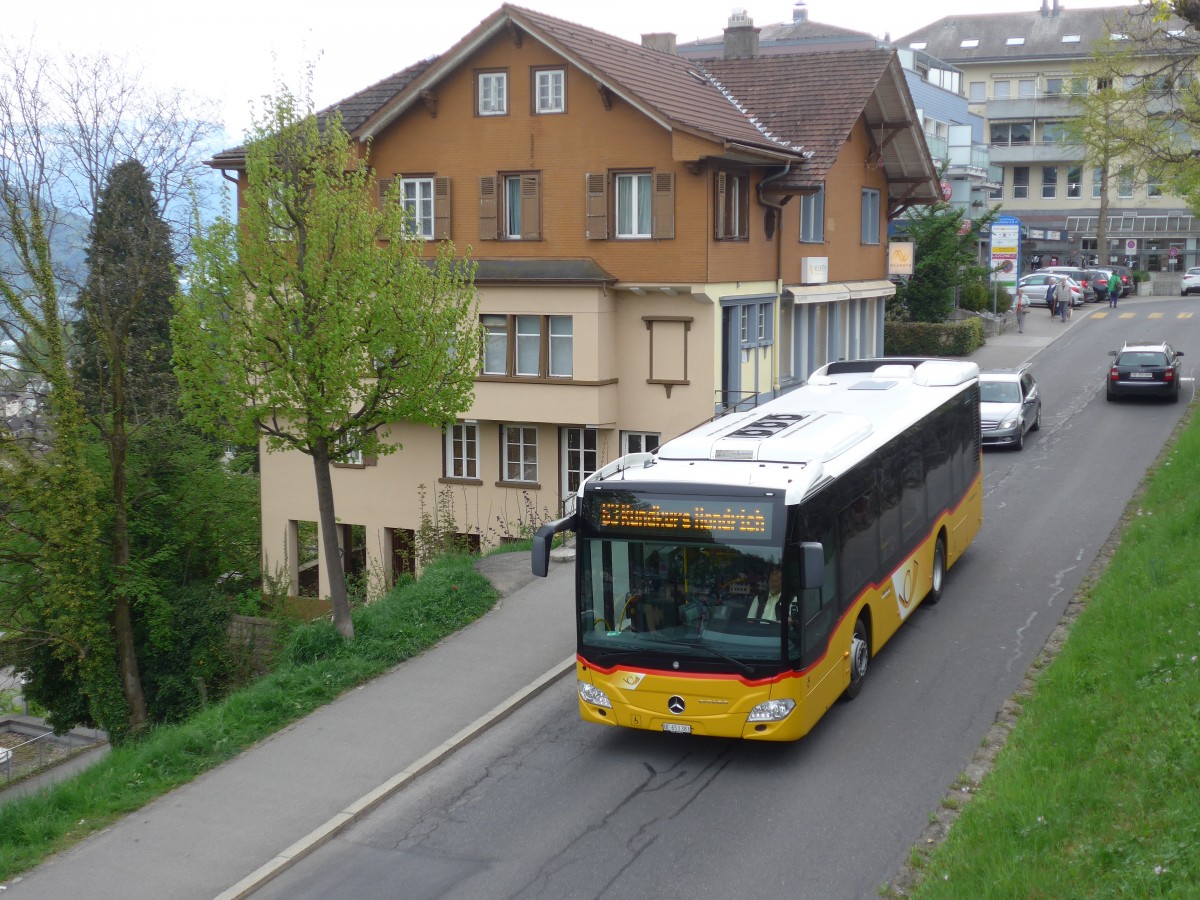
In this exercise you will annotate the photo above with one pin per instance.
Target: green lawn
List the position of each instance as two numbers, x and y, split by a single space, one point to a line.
316 665
1097 791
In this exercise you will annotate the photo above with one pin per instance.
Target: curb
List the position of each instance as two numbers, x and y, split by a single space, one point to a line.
365 804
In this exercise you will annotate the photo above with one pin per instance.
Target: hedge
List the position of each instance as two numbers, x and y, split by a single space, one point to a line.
932 338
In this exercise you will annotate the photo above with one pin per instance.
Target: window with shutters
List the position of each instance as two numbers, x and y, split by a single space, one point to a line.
492 93
424 202
637 204
510 207
731 206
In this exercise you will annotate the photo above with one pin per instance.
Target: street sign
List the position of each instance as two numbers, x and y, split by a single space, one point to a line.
1131 245
1173 252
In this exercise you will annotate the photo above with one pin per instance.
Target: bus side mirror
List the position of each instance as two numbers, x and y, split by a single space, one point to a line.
812 565
540 555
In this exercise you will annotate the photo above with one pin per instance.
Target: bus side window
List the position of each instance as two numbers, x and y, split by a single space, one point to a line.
819 606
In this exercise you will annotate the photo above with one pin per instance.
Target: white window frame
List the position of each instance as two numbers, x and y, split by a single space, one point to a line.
1026 88
416 202
517 444
511 185
462 451
1049 186
1075 187
1125 185
550 91
1097 182
1002 89
562 347
639 441
1017 193
640 197
580 462
493 94
977 92
870 217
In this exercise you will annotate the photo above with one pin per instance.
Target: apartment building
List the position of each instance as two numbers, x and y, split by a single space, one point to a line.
657 241
1019 73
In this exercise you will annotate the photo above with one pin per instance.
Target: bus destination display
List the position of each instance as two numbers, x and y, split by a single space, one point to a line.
721 520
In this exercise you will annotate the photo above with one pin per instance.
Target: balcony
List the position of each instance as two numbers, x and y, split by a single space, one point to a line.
1042 106
969 161
1036 152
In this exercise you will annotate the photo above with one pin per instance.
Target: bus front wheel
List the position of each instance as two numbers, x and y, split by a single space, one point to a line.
939 572
860 659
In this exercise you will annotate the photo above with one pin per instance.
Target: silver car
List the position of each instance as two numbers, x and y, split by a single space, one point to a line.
1009 407
1035 286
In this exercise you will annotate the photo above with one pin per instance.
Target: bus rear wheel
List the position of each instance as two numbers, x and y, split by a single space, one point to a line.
860 659
939 572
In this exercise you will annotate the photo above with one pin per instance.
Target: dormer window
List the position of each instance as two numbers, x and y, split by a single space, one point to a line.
969 43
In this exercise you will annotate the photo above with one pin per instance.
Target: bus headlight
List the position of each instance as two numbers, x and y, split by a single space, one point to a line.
593 695
772 711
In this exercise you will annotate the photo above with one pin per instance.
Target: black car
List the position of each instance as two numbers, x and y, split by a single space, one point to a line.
1150 369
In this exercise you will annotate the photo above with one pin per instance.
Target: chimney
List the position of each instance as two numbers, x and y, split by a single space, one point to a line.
1045 9
659 40
741 37
1055 10
800 12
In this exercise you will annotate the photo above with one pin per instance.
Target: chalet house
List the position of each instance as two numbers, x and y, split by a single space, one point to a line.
658 240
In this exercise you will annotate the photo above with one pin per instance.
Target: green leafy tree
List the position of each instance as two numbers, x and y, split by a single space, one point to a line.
944 258
315 323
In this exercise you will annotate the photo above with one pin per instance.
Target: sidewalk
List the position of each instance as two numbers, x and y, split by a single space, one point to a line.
239 825
235 827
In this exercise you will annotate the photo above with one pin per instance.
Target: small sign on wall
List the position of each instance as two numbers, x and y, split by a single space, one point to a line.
900 257
814 269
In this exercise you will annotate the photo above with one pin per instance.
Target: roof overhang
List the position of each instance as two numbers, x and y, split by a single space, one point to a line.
833 291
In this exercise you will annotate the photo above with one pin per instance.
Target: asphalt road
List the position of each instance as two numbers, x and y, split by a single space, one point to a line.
547 806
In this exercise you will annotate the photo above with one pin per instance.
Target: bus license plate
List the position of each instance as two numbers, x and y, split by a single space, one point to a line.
677 728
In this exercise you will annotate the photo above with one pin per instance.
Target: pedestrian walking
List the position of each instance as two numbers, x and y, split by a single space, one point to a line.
1064 298
1052 296
1022 307
1114 293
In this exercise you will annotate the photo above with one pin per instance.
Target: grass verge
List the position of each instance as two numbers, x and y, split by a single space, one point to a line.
315 666
1096 791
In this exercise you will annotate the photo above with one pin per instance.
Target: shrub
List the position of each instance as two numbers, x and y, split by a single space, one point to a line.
932 338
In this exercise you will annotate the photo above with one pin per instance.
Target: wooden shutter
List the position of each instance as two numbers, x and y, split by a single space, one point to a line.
596 206
488 222
719 208
441 207
385 188
531 206
664 205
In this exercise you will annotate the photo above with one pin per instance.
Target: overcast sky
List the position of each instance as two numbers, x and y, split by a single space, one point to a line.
237 54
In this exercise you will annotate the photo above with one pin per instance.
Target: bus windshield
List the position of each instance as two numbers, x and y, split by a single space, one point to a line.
709 602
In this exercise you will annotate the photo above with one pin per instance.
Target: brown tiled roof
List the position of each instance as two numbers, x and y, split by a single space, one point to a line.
666 87
1042 34
815 99
355 109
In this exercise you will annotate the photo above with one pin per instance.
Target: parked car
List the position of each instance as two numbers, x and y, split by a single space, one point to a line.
1009 406
1148 369
1081 276
1110 279
1035 288
1190 281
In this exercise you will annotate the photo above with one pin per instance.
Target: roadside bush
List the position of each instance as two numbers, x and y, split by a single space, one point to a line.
1139 276
932 338
976 296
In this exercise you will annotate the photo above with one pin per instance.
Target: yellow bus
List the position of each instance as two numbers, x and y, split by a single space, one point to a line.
737 581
